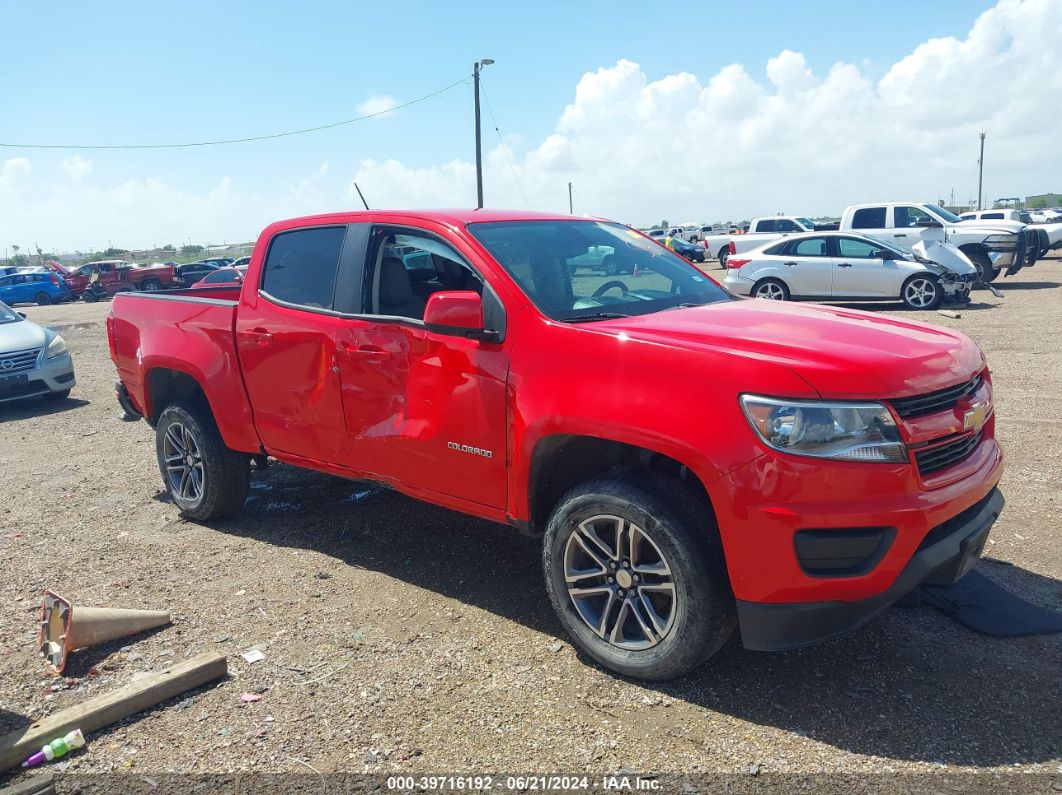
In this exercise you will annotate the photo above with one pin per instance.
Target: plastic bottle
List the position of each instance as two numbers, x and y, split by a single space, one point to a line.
56 748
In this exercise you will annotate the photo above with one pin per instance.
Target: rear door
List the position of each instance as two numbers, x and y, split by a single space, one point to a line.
286 333
876 221
859 274
807 267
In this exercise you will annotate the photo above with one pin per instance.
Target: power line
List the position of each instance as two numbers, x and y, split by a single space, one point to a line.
505 149
242 140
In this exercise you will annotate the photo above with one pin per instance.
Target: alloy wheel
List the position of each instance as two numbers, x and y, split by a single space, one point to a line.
184 462
920 293
770 291
620 582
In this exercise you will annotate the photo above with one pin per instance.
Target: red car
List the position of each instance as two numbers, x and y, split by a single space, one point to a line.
222 276
693 461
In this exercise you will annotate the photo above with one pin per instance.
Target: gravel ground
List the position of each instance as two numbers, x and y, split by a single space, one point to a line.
403 637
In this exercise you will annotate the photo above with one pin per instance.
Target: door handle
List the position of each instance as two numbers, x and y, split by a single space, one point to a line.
903 235
844 264
371 352
259 335
790 264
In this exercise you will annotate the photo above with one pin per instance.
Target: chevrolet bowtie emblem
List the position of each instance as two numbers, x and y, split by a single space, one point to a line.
974 418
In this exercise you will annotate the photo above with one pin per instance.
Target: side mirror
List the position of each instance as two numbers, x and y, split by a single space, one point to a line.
928 223
457 313
21 315
884 254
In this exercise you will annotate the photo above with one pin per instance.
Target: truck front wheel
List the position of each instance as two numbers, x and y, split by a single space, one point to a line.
986 272
205 479
635 571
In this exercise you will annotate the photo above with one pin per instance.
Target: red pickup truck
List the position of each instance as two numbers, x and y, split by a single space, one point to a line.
95 280
693 461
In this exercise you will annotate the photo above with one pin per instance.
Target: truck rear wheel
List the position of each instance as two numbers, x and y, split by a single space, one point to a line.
205 479
151 285
635 571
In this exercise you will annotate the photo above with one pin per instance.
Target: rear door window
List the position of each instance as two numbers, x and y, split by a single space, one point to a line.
869 218
301 266
767 226
810 247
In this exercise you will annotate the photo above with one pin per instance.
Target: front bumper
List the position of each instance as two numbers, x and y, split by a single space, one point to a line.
51 375
946 554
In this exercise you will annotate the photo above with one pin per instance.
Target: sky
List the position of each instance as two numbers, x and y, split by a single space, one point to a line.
680 111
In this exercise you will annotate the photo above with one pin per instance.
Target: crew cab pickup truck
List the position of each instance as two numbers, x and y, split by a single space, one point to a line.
761 230
692 461
95 280
993 247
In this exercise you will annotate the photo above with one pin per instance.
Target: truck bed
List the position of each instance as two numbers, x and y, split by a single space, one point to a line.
189 332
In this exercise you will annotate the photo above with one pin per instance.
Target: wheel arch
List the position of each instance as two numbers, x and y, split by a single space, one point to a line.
561 461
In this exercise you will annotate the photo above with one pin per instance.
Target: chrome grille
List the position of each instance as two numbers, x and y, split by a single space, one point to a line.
932 402
18 361
943 456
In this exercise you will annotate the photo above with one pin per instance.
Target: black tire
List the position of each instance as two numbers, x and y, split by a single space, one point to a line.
724 253
57 396
42 299
776 284
985 271
225 474
89 297
611 268
682 528
151 285
917 297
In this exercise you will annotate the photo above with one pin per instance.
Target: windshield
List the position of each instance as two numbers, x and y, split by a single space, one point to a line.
941 213
7 314
807 223
591 270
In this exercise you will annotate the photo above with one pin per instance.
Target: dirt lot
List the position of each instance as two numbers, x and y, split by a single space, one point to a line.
402 637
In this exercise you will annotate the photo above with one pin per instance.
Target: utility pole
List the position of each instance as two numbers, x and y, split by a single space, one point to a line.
570 210
479 151
980 171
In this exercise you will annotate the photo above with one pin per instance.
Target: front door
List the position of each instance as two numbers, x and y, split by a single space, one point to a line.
423 409
286 338
857 273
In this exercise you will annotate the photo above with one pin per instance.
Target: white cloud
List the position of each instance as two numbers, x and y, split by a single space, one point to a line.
733 145
749 139
377 103
76 167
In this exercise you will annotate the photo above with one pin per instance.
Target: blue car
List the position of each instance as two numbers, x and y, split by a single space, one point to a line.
33 287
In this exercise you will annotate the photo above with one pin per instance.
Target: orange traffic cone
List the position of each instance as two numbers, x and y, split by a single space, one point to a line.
64 629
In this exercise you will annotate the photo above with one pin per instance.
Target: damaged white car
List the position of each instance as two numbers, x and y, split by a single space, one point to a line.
846 266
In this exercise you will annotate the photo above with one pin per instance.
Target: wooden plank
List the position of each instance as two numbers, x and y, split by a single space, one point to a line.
38 785
109 708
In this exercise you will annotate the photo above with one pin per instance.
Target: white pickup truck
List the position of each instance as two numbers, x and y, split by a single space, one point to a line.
1050 234
761 230
992 246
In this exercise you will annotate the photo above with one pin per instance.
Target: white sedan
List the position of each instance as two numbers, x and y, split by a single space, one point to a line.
845 266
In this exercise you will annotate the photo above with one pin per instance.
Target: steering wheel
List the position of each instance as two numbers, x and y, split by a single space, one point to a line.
604 288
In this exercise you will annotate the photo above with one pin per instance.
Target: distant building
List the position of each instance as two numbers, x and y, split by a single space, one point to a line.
1044 200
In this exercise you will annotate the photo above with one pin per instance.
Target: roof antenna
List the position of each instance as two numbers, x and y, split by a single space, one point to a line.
360 196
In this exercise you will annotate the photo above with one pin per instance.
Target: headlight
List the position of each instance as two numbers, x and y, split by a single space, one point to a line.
57 347
1002 242
835 430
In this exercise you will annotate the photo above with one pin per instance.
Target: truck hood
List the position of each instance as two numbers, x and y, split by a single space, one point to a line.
841 353
21 336
988 227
